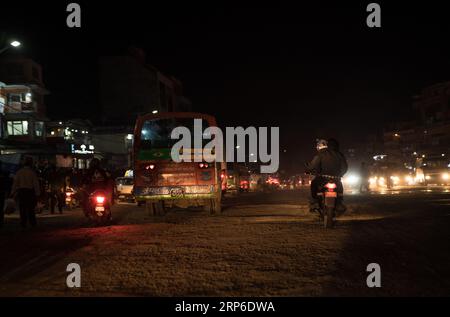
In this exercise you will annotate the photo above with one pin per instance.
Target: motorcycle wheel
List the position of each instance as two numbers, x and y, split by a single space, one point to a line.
328 217
103 221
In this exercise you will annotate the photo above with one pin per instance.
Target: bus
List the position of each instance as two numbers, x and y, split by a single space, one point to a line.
160 182
433 169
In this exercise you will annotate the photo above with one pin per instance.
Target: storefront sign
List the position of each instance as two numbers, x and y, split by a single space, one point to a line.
82 149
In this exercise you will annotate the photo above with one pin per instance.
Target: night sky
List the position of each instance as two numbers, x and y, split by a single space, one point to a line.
313 70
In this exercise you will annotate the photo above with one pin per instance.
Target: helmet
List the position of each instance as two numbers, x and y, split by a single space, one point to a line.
95 163
321 144
333 144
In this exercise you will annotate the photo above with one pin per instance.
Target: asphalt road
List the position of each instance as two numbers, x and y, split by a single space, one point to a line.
261 245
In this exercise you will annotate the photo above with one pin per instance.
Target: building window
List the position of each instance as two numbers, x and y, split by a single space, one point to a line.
15 98
17 127
35 73
28 97
39 128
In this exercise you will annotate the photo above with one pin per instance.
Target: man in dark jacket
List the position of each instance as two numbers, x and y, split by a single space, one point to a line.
329 163
26 187
95 178
5 189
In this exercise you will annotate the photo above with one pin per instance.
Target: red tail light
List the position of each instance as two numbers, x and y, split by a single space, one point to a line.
331 186
100 199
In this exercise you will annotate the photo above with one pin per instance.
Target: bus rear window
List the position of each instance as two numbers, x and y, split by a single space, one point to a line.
156 133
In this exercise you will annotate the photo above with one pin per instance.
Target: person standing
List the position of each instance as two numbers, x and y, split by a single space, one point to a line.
26 189
5 189
364 174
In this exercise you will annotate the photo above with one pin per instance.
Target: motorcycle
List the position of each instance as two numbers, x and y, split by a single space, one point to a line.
328 196
99 207
71 198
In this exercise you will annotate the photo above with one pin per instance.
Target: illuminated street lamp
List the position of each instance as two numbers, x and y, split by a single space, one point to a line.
155 111
11 44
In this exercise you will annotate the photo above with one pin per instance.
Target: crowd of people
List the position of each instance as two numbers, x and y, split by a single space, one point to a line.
42 186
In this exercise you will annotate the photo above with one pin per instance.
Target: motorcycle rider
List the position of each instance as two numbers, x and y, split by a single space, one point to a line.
95 179
329 163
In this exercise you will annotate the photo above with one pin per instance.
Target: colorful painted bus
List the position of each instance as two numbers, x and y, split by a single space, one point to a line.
160 182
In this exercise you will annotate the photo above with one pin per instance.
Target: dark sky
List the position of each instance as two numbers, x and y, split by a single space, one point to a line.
313 70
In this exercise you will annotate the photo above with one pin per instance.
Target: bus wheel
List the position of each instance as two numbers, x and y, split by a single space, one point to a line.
155 208
215 206
160 209
150 208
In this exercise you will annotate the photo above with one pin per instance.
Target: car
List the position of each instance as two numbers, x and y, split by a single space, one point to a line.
124 188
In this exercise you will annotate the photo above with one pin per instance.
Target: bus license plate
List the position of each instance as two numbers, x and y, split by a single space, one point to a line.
176 192
331 194
99 208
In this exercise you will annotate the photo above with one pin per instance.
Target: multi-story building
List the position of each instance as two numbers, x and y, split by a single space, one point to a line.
429 134
23 91
433 104
22 110
130 87
71 142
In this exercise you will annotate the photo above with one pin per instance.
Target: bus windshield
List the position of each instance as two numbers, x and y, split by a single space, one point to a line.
155 134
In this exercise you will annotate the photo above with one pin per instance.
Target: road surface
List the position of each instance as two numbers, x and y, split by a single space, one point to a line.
261 245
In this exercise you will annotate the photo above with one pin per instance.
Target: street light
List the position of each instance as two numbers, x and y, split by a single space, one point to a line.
11 44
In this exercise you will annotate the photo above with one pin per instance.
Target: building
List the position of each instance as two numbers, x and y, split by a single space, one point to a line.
130 87
428 134
25 128
24 72
71 142
22 105
114 145
432 105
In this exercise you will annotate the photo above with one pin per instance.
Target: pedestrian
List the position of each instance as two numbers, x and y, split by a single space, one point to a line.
55 187
364 174
5 190
26 189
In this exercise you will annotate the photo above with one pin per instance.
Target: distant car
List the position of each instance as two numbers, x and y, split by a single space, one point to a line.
124 188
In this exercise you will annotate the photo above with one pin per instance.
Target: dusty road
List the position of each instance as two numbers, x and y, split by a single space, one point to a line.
262 245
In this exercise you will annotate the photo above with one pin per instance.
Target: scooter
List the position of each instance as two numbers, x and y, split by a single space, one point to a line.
99 208
71 198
